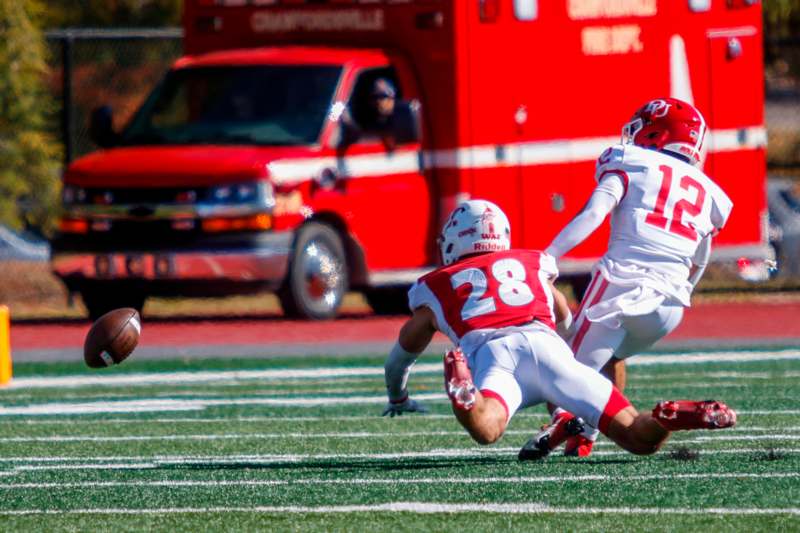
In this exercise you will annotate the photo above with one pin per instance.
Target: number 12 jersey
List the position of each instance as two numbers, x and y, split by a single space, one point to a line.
666 208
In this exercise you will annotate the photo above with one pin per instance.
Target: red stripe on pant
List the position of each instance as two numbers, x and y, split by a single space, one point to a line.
578 339
587 294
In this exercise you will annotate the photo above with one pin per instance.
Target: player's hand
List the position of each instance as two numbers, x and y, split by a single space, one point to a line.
408 406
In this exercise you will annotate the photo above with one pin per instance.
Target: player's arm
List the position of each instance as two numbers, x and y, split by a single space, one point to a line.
700 260
414 337
720 211
561 310
606 196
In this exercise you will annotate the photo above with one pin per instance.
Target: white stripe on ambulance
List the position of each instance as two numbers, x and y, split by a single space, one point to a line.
532 153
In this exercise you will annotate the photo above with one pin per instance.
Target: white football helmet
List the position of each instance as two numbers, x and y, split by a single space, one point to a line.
473 227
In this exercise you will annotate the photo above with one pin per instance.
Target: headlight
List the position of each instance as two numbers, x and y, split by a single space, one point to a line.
71 195
238 193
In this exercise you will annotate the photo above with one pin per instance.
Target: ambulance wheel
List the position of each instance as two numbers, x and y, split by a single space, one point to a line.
388 300
317 278
100 300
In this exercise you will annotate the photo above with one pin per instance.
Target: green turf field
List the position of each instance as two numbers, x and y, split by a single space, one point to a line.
298 444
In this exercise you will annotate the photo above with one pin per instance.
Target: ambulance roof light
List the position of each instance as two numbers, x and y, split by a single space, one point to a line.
526 10
699 5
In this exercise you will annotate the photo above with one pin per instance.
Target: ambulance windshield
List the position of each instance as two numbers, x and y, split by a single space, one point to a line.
274 105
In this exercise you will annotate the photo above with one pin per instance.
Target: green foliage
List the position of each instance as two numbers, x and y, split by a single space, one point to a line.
29 153
781 18
113 13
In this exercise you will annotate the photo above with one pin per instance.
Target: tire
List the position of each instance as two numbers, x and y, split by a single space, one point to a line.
388 300
317 279
101 300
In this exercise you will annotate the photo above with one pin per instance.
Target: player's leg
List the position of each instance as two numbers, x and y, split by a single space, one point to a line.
595 348
593 398
486 421
576 388
606 349
634 432
645 433
616 372
642 332
484 404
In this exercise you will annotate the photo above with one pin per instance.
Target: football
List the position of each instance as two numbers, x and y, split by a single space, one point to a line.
112 338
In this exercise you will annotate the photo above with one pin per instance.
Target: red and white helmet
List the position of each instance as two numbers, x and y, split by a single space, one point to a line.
668 125
473 227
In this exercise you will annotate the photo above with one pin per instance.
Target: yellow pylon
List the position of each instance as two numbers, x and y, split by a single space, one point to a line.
5 346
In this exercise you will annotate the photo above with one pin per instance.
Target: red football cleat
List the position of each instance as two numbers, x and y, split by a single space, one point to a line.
686 414
458 380
551 437
578 446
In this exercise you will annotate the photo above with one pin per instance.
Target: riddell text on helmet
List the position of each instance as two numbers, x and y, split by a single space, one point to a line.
488 247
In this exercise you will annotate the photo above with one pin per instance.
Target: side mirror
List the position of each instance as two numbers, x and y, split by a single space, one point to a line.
101 127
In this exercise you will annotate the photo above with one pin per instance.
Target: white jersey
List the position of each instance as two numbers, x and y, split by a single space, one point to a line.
665 209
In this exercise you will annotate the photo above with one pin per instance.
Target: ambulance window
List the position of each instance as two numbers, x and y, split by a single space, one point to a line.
377 110
360 101
526 9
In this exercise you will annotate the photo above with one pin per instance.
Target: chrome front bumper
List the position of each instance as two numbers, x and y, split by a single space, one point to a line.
267 265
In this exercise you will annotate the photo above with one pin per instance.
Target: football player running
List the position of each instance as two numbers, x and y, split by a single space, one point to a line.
664 212
501 310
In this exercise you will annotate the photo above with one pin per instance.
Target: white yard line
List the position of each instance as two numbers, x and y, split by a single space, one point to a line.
196 404
769 412
697 384
323 418
418 508
150 405
340 435
744 356
268 391
171 378
514 480
153 462
221 376
236 419
716 375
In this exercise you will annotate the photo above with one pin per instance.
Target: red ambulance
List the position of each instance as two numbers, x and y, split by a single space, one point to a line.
241 171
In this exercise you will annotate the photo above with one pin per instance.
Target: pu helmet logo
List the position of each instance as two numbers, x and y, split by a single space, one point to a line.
669 125
474 226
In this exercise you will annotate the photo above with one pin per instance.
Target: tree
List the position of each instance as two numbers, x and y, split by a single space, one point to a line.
113 13
29 153
781 18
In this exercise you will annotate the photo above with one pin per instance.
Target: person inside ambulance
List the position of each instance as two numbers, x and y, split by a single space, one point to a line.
379 114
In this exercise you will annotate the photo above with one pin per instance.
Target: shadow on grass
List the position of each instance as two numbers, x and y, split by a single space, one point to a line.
383 465
601 462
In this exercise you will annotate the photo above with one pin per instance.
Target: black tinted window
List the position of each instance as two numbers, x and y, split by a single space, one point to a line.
270 105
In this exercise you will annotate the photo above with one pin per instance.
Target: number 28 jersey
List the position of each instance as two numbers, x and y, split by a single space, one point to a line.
667 207
488 291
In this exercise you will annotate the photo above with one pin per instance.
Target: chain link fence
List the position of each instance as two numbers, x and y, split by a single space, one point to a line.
88 68
782 76
91 67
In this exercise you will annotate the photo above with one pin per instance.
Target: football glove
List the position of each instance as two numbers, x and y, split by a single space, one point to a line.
407 406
